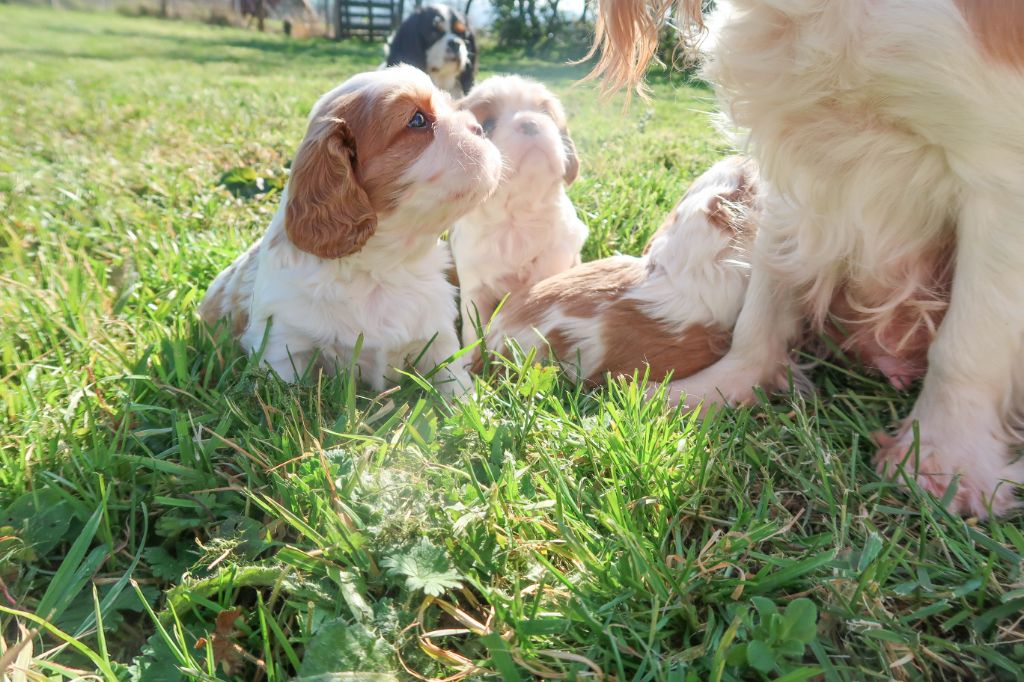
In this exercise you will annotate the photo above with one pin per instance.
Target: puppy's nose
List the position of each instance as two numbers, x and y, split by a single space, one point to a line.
528 127
475 128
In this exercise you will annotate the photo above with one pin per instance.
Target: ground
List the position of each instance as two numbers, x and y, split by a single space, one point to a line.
222 525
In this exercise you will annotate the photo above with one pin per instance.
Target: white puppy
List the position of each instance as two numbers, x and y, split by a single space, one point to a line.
352 254
671 310
528 229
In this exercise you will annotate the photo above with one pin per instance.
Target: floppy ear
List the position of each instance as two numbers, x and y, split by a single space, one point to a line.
572 162
407 46
468 76
328 214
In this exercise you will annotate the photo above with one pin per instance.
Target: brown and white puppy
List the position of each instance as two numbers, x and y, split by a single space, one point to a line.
671 310
528 230
352 255
889 134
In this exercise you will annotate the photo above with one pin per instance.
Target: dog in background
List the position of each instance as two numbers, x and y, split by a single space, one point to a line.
438 40
352 255
528 230
671 310
889 135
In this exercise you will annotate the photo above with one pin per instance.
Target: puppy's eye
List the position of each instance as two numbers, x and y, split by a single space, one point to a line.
488 125
418 120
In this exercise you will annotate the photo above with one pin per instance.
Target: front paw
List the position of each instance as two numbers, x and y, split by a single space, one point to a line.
727 382
704 392
977 464
454 383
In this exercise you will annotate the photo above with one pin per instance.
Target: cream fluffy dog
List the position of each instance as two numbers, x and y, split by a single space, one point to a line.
888 134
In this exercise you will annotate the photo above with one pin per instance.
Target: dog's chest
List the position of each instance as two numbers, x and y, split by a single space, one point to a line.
446 77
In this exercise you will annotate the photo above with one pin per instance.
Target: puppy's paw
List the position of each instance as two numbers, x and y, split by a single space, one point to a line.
985 482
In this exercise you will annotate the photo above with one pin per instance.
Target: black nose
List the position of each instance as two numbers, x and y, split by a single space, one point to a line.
528 128
453 45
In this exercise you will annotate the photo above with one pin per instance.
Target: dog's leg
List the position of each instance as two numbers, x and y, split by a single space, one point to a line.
453 379
768 322
759 353
962 410
476 305
289 361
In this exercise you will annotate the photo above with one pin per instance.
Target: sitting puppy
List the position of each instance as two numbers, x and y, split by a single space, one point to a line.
352 255
528 230
672 309
437 39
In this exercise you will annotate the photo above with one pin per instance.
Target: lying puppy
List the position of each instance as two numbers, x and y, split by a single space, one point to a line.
672 309
437 39
528 230
385 167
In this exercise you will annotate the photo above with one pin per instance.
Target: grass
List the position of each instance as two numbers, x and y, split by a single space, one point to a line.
171 512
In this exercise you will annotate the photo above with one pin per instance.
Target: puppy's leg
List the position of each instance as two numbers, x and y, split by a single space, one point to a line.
477 304
287 353
961 412
453 379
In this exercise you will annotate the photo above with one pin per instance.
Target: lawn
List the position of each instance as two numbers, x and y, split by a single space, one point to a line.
172 512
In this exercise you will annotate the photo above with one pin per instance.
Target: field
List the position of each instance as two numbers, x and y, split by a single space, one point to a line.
170 511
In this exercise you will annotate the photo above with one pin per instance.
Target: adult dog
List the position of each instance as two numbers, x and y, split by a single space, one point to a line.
438 40
890 134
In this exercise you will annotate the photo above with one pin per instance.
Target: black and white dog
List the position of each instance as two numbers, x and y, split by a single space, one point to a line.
437 39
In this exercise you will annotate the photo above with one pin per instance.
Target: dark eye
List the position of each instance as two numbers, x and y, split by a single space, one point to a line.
418 120
488 125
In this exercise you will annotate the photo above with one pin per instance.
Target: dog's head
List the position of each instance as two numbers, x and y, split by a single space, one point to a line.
527 124
716 219
385 147
438 40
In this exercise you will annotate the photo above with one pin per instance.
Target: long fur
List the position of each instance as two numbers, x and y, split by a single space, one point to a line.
889 136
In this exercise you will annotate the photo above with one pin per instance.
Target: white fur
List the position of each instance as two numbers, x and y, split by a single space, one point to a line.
881 126
695 274
528 230
393 293
445 66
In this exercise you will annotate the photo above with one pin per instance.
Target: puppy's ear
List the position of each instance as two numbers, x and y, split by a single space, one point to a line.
328 214
408 45
572 161
468 76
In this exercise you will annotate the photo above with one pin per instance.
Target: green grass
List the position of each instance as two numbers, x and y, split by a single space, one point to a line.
155 482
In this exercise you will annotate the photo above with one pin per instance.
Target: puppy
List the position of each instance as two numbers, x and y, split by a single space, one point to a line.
528 230
352 256
438 40
671 310
890 136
